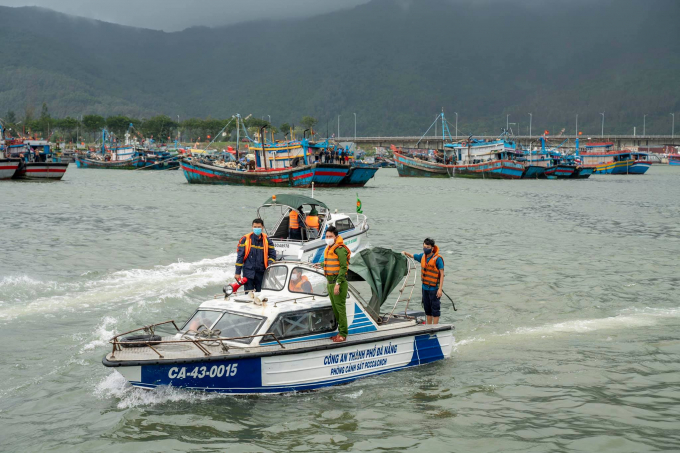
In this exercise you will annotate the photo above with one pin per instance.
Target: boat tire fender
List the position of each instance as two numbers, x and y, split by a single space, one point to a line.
141 340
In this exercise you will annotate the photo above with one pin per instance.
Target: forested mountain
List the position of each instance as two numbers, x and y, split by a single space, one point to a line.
395 63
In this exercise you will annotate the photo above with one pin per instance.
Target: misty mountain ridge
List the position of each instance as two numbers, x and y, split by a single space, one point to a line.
394 63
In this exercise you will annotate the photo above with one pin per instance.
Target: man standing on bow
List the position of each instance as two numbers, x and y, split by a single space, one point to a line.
335 263
432 276
255 253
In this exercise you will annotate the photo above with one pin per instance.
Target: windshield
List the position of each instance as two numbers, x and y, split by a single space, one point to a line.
238 325
307 282
201 318
275 278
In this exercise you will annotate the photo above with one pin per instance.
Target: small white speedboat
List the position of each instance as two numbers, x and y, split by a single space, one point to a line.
278 340
353 228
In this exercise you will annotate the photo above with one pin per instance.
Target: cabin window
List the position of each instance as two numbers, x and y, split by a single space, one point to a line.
291 325
306 281
201 318
238 325
344 225
275 278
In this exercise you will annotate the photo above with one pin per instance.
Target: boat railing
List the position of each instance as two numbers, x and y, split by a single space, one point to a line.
359 220
404 288
200 343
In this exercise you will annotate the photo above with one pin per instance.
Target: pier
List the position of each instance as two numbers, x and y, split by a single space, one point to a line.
434 142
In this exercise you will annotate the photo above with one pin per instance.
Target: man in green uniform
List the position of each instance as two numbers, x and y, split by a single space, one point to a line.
336 261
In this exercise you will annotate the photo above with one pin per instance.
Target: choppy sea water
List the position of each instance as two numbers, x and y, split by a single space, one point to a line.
567 329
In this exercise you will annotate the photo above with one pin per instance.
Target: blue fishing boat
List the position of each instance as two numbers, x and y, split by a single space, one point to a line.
126 157
294 163
607 161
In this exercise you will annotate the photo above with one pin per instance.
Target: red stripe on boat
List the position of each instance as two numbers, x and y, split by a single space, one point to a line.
330 173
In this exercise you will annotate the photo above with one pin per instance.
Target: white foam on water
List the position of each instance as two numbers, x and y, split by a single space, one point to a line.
102 334
630 318
128 287
114 386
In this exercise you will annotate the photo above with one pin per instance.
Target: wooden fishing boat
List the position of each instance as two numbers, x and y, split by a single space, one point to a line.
35 160
415 167
606 161
294 163
8 167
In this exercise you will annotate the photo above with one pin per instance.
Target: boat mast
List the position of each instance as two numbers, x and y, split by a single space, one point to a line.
238 135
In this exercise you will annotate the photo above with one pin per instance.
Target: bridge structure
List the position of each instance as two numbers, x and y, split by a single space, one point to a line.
434 142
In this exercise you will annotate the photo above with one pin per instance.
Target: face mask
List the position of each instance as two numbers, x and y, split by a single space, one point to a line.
294 277
330 241
427 250
257 231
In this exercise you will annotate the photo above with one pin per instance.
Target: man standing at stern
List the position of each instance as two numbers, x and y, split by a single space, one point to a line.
255 253
432 276
335 263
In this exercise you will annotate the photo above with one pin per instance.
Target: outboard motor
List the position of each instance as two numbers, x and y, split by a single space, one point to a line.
230 289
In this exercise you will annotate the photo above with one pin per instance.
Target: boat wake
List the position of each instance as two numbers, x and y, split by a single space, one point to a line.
21 296
630 318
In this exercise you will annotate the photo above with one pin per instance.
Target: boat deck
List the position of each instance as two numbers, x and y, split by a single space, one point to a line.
187 351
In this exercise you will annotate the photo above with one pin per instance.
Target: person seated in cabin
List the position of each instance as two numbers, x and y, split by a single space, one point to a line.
251 165
294 230
299 283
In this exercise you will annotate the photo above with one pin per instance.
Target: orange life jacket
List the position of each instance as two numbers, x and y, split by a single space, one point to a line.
293 223
312 221
331 263
249 244
429 272
297 286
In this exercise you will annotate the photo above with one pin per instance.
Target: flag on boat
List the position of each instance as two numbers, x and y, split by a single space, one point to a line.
359 211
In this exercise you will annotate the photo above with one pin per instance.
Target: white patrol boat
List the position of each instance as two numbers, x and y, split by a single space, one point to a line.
278 340
276 210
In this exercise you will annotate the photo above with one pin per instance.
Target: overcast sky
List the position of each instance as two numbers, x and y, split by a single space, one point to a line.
173 15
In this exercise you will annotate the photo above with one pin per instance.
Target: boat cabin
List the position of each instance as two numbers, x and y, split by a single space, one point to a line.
293 305
276 214
479 151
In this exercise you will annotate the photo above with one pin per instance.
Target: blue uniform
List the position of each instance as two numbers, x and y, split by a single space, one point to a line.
253 267
431 303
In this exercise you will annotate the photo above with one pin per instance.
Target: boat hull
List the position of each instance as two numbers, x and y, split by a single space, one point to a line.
639 167
42 170
534 172
359 175
560 171
8 168
322 175
129 164
496 169
328 175
583 172
197 173
323 365
417 168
